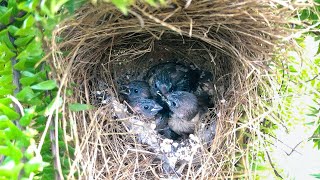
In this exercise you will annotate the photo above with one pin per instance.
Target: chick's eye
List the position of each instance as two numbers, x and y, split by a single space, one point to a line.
146 107
136 90
155 85
174 104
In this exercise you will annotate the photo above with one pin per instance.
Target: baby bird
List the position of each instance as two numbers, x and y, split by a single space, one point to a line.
162 126
146 107
185 112
136 89
205 90
167 77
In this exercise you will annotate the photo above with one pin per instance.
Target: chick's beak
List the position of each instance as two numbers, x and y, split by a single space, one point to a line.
125 90
168 102
163 97
156 108
164 90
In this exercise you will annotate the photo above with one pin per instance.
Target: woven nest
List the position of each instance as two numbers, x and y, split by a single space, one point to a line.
103 49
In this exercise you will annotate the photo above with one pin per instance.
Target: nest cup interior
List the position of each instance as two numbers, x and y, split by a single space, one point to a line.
137 53
107 49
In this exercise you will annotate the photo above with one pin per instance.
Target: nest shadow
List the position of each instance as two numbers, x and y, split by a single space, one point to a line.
105 49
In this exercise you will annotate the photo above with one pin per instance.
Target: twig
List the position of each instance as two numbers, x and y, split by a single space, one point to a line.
307 29
187 4
159 21
54 138
274 169
313 78
138 16
17 104
64 78
294 148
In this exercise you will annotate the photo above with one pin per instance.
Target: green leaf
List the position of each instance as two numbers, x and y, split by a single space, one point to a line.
33 49
11 151
151 2
316 175
29 114
4 120
4 37
23 41
6 101
304 14
10 170
27 73
20 65
25 95
314 110
6 68
45 85
28 6
317 61
54 104
292 68
5 91
70 5
5 18
80 107
8 54
45 9
122 5
28 22
26 31
34 165
56 5
12 29
314 16
27 81
6 79
14 133
13 4
9 112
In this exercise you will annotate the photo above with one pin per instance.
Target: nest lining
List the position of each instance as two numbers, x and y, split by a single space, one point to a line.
232 40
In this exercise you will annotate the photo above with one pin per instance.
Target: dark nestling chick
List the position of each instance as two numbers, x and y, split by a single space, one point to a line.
170 76
146 107
162 125
167 77
138 95
136 89
185 112
205 91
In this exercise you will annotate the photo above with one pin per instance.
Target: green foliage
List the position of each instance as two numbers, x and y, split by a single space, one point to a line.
24 84
124 5
297 91
310 14
310 77
26 94
316 175
300 86
45 85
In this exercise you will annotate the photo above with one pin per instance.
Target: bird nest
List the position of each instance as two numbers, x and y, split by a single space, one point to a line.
103 49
